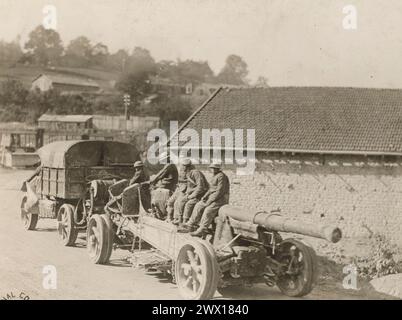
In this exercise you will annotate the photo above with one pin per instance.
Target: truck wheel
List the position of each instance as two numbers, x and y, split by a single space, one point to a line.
66 227
28 219
195 272
300 265
109 236
97 239
215 266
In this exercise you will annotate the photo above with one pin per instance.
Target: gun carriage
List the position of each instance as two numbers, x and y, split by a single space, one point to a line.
71 175
243 247
84 185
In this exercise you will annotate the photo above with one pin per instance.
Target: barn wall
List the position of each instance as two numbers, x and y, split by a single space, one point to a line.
358 194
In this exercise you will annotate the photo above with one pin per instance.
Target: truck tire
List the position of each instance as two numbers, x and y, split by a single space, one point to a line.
29 220
97 239
109 236
66 227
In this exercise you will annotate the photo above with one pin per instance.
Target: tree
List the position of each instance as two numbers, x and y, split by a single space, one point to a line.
118 61
234 72
13 91
78 52
136 84
10 53
44 46
140 61
39 103
262 82
99 54
190 71
168 109
167 69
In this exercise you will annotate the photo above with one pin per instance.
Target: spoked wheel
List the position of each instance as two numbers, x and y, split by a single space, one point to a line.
97 240
66 227
109 235
300 267
195 272
28 219
215 266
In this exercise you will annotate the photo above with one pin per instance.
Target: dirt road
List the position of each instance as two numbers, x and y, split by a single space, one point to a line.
24 255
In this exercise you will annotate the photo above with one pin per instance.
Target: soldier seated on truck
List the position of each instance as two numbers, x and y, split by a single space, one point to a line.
207 209
174 201
140 174
163 185
197 186
167 178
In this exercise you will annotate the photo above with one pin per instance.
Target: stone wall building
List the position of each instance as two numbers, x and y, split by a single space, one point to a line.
330 155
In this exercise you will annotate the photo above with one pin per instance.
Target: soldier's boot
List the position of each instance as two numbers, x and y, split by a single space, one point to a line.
186 228
200 232
176 222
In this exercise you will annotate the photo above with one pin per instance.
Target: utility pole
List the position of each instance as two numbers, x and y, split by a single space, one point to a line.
127 102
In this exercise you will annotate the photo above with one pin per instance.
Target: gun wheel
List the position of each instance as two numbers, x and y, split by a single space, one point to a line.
28 219
98 244
66 226
196 273
298 275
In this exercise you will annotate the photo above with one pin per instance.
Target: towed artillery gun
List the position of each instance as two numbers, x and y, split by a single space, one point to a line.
71 175
243 247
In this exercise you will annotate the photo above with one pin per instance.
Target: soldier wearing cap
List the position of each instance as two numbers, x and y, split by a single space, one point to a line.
197 186
140 175
207 209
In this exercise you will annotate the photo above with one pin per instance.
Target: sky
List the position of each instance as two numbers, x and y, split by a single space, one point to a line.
292 43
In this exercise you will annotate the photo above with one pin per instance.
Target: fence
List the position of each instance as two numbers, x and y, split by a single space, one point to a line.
119 123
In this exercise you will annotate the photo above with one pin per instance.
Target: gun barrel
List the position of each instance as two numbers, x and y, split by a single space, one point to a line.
276 222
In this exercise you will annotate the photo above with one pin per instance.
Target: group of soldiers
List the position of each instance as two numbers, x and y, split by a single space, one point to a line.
193 203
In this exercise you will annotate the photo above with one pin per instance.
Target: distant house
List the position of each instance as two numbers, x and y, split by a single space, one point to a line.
170 87
120 123
207 89
65 122
65 84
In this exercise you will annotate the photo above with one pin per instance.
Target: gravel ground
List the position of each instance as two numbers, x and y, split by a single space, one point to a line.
25 254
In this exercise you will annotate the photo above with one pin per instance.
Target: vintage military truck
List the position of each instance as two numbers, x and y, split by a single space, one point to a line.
244 246
70 174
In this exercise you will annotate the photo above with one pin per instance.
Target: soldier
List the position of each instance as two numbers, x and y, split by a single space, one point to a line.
167 178
197 186
174 201
163 185
207 209
140 175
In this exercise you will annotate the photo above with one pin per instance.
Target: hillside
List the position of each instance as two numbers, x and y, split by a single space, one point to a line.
26 74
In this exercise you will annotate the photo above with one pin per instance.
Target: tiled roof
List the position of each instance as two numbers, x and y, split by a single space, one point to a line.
65 118
309 119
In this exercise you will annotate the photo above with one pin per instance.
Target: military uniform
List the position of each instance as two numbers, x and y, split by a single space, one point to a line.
197 186
140 176
217 196
173 205
167 178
